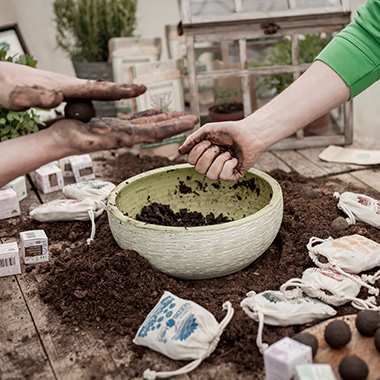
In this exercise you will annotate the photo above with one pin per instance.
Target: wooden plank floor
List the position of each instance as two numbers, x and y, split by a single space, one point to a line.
31 337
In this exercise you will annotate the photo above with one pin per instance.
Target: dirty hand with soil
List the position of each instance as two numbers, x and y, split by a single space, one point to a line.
226 150
23 87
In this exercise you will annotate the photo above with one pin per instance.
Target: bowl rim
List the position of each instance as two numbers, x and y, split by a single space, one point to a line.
113 209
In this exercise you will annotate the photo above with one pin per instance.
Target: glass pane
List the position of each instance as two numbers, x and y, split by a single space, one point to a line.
212 7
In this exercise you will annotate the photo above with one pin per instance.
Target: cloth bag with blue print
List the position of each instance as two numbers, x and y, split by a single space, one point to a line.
181 330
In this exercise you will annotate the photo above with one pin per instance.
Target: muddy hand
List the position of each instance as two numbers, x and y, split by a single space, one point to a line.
111 133
221 150
23 97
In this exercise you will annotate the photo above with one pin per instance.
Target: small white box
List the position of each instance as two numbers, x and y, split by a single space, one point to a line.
49 178
9 204
65 165
282 357
9 259
19 186
82 167
314 372
34 246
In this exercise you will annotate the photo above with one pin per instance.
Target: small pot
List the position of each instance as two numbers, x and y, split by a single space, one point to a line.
319 126
216 116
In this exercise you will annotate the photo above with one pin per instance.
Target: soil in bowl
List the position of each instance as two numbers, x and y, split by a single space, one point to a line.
108 291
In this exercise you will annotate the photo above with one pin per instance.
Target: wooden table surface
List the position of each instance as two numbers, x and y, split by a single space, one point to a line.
30 335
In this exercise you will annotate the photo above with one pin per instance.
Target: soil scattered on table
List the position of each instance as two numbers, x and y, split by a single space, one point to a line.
110 291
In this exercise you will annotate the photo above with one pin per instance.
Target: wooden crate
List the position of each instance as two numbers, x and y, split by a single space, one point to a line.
247 26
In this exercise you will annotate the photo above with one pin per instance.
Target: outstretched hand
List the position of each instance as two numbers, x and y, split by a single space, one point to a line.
25 87
111 133
223 151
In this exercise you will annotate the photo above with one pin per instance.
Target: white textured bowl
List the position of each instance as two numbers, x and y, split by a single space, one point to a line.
254 203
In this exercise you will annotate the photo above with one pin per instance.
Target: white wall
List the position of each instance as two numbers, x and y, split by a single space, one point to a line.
35 20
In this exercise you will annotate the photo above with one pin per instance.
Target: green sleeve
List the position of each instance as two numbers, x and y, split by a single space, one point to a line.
354 54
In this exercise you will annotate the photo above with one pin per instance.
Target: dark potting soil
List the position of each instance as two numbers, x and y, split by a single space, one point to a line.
163 215
110 291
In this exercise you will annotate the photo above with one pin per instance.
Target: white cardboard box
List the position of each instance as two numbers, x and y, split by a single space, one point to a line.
19 186
282 357
9 259
314 372
9 204
49 178
82 167
65 165
34 246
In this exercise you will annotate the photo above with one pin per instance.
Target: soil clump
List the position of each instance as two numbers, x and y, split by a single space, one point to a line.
110 291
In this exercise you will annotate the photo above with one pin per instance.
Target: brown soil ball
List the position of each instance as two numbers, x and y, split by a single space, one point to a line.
377 339
82 110
308 339
309 193
337 334
367 322
339 224
353 368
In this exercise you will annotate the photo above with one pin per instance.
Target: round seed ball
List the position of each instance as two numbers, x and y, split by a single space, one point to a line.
309 193
308 339
82 110
377 339
339 224
367 322
352 367
337 334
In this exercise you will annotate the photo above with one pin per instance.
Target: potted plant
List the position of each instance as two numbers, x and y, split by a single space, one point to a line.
84 28
15 124
226 106
280 54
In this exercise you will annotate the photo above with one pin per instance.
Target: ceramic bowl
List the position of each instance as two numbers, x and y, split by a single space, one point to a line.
254 203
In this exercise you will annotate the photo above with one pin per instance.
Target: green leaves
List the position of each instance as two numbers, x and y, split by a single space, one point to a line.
15 124
84 27
309 47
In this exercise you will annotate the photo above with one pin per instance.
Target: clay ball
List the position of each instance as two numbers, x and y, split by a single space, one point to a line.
377 339
309 193
367 322
82 110
339 224
308 339
353 368
337 334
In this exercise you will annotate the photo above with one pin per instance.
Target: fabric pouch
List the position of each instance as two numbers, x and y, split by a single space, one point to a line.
328 286
359 207
181 330
352 254
68 210
95 189
272 308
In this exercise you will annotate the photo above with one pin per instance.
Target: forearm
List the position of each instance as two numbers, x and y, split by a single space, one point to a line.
315 93
26 153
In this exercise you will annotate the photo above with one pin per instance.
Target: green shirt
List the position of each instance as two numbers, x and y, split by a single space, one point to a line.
354 54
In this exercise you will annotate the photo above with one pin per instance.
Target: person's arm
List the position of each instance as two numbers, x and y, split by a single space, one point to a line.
23 87
68 137
348 65
227 150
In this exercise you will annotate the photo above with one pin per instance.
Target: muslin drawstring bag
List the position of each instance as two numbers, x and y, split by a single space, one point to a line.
272 308
68 210
328 286
95 189
348 254
181 330
359 207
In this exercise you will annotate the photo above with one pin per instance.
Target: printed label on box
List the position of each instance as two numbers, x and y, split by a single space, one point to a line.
9 204
9 259
34 246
